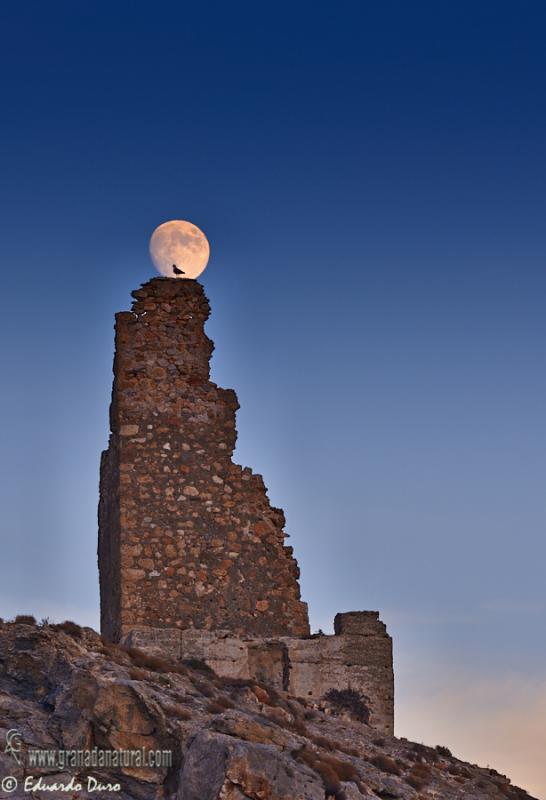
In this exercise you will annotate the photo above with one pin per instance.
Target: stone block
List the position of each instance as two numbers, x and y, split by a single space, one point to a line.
358 623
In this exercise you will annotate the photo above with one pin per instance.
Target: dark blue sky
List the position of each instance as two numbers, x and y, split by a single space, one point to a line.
371 177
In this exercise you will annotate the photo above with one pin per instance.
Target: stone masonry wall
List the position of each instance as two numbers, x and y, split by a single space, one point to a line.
187 538
358 656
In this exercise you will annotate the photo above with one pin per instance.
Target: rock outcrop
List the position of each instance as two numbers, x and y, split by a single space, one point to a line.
64 688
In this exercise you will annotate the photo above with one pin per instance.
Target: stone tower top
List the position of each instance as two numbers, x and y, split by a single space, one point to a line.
170 345
187 538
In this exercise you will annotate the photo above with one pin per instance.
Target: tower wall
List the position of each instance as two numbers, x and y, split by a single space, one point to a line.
187 538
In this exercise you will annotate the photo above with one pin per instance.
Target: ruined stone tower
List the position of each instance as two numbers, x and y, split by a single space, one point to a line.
192 558
187 538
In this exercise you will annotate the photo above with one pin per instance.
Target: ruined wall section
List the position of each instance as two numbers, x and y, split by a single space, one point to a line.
188 539
358 656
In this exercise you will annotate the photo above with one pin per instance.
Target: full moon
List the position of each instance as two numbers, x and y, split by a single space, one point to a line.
179 249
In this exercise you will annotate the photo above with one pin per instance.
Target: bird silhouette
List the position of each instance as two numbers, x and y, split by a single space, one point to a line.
178 271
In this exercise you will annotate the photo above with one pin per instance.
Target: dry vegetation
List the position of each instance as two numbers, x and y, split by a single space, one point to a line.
351 701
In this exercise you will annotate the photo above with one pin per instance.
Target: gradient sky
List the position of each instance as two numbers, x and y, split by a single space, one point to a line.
372 179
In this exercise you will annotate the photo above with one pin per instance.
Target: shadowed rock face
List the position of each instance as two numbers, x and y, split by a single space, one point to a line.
187 539
230 740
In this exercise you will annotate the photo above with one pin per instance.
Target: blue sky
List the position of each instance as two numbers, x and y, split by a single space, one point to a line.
371 177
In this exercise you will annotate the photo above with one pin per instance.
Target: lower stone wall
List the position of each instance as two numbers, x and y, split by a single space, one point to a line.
358 656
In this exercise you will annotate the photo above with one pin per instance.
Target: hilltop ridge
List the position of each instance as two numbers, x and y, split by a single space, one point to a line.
62 686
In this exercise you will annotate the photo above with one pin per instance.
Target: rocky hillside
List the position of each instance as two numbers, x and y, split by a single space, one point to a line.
62 687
